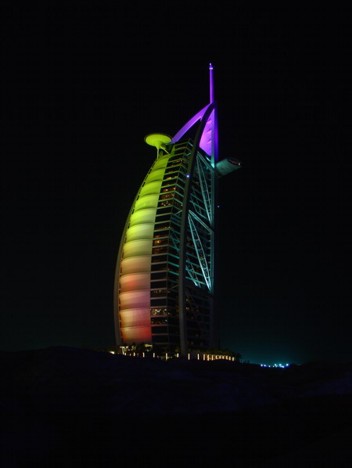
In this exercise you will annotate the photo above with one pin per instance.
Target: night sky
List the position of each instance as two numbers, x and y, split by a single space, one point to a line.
82 85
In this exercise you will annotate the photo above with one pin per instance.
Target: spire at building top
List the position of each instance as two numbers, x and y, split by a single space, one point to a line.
211 82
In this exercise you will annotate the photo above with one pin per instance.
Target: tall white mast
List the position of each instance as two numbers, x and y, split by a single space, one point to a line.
211 83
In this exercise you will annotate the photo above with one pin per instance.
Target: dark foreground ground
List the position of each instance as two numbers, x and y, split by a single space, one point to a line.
63 407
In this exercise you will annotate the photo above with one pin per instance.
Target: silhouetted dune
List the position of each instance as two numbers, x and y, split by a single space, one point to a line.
72 407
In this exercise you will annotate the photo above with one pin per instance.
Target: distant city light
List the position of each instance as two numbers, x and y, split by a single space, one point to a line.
279 365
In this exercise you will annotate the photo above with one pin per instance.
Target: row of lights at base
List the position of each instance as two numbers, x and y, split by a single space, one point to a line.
166 356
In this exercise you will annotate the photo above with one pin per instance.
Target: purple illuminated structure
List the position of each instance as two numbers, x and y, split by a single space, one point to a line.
164 280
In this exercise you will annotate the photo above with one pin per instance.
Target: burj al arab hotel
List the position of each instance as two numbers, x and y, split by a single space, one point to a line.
164 280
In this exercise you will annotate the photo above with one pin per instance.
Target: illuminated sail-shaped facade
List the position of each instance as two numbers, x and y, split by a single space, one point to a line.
164 280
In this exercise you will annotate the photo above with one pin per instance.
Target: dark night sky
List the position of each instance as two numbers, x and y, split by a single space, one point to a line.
81 87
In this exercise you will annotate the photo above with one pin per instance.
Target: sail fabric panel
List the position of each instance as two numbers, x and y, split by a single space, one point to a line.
137 264
136 298
143 215
137 247
133 281
136 334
